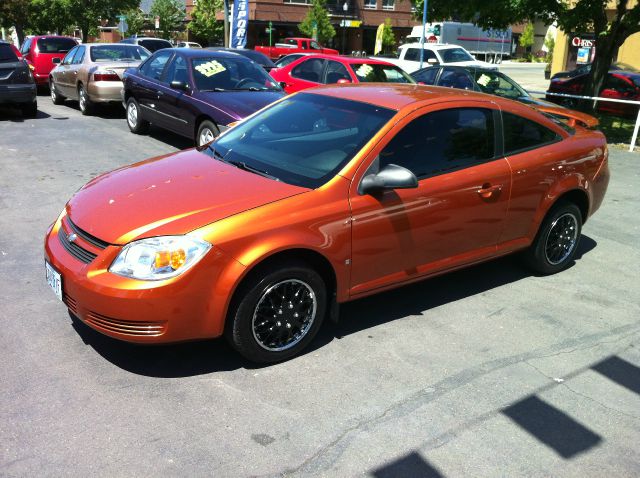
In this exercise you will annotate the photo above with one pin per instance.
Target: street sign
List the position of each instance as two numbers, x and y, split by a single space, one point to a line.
122 25
157 22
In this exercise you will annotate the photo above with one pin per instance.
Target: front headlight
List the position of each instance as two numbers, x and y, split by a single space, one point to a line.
159 258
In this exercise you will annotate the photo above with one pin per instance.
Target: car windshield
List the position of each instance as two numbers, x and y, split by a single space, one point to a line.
6 53
55 45
118 53
302 140
154 45
496 83
230 74
374 72
454 55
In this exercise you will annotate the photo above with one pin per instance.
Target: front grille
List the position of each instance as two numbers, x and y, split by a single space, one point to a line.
75 250
85 236
71 304
126 327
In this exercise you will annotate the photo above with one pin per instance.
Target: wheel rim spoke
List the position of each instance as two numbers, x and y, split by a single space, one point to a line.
561 239
284 315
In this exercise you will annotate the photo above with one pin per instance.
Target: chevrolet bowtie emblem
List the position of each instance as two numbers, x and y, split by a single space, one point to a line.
72 237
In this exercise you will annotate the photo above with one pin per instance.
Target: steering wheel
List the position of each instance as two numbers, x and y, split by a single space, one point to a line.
248 81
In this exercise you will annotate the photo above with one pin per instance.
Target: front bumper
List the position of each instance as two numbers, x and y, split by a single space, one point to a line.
14 94
173 310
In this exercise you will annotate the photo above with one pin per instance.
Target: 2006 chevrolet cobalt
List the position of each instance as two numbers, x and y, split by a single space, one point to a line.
323 197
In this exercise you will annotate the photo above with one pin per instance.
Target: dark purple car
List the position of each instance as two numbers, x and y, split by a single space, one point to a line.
195 93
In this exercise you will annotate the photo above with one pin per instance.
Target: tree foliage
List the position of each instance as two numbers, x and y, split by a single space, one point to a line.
15 13
318 13
136 21
203 20
610 26
388 38
171 13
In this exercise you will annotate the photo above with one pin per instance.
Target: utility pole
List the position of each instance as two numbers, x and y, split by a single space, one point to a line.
424 32
226 23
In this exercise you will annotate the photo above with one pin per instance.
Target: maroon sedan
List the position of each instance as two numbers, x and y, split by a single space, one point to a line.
314 70
620 84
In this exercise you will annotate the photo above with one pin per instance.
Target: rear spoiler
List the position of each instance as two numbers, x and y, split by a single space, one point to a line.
572 116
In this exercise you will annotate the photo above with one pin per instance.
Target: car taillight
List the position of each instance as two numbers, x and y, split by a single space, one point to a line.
105 76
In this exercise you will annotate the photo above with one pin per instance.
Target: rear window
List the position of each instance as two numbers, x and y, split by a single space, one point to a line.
55 45
118 53
154 45
6 53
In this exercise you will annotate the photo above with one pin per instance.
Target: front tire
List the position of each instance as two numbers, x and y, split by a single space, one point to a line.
56 97
278 313
557 240
207 132
135 121
86 107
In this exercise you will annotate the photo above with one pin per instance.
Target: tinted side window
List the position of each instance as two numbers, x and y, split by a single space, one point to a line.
454 78
26 46
426 76
413 54
7 54
442 141
177 71
310 70
79 56
154 67
523 134
68 59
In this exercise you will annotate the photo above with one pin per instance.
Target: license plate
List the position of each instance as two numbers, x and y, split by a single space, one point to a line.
54 279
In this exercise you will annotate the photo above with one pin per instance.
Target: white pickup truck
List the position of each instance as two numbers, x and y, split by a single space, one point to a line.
434 54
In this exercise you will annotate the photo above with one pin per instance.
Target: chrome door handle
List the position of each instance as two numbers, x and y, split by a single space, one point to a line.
486 191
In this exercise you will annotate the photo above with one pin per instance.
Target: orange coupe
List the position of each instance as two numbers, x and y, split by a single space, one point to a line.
322 197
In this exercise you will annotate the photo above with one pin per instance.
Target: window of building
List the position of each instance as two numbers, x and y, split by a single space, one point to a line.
388 4
443 141
372 4
521 134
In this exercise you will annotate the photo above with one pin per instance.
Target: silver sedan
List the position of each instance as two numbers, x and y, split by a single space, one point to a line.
92 73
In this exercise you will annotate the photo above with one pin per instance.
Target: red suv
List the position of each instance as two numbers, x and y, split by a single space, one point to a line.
44 52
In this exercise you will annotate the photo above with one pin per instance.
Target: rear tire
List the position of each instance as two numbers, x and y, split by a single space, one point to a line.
277 313
137 124
557 240
29 110
56 97
86 106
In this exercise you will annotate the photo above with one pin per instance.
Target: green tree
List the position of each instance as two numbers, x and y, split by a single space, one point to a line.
203 20
388 38
135 21
610 26
171 13
15 13
319 15
526 40
87 14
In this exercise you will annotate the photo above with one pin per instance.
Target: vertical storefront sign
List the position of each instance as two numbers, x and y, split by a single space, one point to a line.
378 47
239 23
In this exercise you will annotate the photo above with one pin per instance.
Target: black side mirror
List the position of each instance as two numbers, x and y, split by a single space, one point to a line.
179 85
55 61
283 84
391 176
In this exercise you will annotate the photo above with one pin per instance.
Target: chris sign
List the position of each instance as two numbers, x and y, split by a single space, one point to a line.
239 23
582 42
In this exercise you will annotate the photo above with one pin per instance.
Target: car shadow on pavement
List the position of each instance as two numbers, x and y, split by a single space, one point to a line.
13 114
209 356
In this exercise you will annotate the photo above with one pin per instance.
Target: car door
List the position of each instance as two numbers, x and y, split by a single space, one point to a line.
144 85
306 74
454 216
72 72
60 74
172 105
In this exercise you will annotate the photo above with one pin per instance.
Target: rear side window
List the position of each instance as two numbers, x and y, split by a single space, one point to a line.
413 54
426 76
55 45
26 46
443 141
309 70
6 53
79 56
154 67
521 134
454 78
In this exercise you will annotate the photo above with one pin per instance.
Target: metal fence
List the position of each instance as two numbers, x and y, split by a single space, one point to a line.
634 136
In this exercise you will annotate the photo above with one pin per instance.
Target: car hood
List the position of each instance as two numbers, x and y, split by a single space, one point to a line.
172 194
240 104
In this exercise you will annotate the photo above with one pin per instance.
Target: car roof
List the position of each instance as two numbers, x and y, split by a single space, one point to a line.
396 96
200 53
431 46
347 59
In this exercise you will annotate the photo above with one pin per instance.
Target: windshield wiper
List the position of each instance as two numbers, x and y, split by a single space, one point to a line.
251 169
215 89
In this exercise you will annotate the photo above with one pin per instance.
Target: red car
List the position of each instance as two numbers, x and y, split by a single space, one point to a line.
44 52
294 45
314 70
619 84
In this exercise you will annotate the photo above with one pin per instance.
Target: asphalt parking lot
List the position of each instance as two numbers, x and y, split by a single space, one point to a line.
488 371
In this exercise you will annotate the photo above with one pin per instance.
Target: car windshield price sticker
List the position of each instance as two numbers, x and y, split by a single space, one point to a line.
210 68
364 70
484 80
54 279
